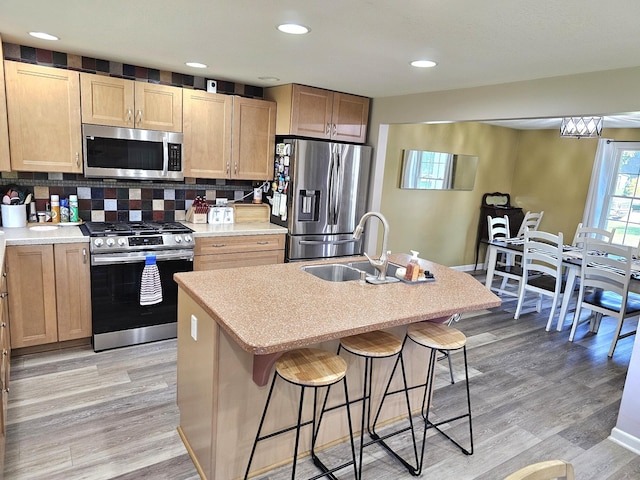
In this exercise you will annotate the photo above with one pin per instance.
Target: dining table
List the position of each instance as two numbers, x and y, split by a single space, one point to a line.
571 260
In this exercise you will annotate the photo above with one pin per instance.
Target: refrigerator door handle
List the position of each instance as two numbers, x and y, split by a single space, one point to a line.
331 217
328 242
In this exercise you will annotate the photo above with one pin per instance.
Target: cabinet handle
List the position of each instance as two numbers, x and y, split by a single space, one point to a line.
4 295
328 131
227 167
77 159
335 129
129 116
217 245
235 168
84 256
139 117
263 243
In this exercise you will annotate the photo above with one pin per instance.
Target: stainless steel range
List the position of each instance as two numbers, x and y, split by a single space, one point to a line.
119 253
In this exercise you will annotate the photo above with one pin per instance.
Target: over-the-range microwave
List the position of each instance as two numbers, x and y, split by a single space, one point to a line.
131 153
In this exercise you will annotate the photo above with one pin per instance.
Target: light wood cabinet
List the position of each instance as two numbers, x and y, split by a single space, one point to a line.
43 109
5 362
126 103
212 253
228 137
5 162
49 293
207 119
317 113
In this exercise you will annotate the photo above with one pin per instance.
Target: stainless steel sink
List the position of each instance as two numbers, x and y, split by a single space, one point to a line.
346 272
333 272
365 266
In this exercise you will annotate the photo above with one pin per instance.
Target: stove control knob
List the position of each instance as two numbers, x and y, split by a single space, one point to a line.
178 239
110 242
122 242
187 238
98 242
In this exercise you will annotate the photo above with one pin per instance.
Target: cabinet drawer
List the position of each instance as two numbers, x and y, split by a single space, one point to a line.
234 260
238 244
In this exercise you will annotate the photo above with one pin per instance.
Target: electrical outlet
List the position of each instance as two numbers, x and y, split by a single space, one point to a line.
194 327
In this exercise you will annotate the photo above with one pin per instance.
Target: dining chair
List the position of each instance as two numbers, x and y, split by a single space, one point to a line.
542 271
604 288
592 232
531 221
548 470
498 228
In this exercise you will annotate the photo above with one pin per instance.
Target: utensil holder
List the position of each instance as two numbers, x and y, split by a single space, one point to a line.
14 216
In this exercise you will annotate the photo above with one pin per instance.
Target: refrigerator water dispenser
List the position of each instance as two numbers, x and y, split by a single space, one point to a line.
308 205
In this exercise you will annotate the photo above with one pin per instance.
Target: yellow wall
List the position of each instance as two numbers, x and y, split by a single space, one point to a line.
539 169
442 225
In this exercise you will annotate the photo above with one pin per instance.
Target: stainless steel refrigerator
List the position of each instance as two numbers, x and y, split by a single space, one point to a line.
319 192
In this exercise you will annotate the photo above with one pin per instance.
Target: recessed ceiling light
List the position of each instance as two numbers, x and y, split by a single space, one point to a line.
195 65
43 36
293 28
269 79
423 63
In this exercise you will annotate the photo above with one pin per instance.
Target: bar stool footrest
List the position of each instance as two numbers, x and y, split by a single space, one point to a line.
380 440
327 472
437 425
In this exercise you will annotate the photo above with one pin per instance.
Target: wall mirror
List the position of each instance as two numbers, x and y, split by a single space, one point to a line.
424 170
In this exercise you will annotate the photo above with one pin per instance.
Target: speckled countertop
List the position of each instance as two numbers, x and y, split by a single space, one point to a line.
272 308
72 234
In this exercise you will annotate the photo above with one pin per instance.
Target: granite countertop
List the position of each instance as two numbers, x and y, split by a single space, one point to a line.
273 308
73 234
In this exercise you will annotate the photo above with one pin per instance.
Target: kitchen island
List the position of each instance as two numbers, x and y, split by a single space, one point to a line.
233 323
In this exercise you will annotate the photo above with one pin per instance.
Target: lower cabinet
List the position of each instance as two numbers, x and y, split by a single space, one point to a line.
49 293
5 347
237 251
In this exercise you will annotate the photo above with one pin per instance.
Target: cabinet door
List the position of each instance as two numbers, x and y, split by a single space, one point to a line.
207 134
158 107
311 115
350 118
5 164
32 295
73 292
254 125
43 107
106 100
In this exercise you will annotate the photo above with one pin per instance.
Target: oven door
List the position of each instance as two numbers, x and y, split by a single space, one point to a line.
118 317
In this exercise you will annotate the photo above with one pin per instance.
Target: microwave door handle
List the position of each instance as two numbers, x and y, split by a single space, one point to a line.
165 156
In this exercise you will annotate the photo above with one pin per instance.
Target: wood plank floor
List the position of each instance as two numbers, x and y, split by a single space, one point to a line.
76 414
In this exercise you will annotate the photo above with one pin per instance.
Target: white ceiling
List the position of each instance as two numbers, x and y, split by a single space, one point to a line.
356 46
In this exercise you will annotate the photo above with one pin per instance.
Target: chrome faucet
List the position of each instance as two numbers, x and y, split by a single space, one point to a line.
381 264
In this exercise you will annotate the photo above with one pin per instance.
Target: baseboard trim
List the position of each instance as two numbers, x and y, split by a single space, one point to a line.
625 440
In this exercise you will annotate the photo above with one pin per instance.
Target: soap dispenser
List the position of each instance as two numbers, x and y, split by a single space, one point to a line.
413 268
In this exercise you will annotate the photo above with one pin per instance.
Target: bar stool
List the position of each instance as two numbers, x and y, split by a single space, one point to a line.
372 345
308 368
440 337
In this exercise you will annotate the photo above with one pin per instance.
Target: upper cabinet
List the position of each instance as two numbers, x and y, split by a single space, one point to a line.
43 108
127 103
228 136
317 113
5 163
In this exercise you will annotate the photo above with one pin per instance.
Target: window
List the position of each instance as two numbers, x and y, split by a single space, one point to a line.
614 194
623 203
428 170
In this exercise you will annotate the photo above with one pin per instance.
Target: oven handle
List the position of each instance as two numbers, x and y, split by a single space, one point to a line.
135 257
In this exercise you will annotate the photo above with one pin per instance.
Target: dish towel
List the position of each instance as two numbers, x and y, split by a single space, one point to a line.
150 286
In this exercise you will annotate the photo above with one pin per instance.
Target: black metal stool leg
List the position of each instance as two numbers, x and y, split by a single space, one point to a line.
264 414
295 449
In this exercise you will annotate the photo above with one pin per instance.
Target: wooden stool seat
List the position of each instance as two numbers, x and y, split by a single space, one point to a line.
376 344
311 367
436 335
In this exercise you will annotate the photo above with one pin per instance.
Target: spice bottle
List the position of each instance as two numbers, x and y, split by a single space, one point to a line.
73 208
55 208
413 268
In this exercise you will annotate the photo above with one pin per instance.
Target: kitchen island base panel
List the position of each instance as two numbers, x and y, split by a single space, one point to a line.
220 404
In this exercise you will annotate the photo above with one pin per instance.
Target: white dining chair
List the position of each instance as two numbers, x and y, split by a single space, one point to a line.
542 271
531 221
498 228
592 232
604 288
